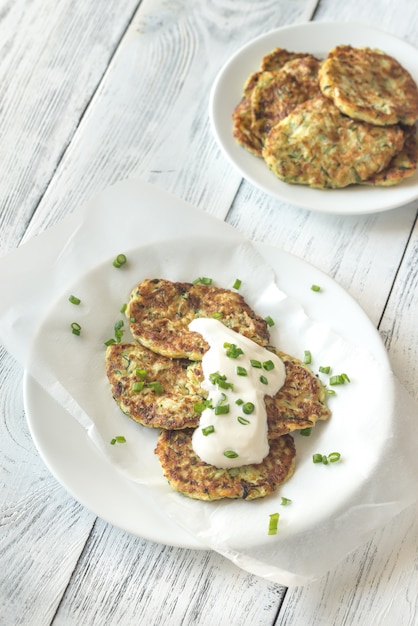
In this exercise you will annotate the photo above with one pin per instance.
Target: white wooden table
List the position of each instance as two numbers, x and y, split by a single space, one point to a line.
92 92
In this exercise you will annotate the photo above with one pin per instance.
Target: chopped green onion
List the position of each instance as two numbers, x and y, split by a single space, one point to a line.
217 315
232 350
324 369
241 371
202 280
119 330
324 460
119 261
220 379
308 357
199 407
339 379
123 308
141 373
305 432
118 439
243 420
273 523
156 386
237 284
75 328
334 457
74 300
285 501
255 363
268 365
138 386
315 288
248 408
330 392
264 380
132 320
221 409
208 430
110 342
269 320
239 402
317 458
231 454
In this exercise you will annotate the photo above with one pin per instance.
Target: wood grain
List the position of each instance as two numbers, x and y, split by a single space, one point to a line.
95 92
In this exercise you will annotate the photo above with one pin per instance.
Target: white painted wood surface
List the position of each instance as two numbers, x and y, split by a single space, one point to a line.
95 92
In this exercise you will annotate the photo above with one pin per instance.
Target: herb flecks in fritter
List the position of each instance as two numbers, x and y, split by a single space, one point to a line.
189 475
160 312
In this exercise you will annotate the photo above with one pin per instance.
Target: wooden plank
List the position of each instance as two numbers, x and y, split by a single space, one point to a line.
149 118
126 580
54 56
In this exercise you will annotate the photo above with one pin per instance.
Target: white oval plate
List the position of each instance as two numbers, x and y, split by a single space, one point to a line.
88 476
316 38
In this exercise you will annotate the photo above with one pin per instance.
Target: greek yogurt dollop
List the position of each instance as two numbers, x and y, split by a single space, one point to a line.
238 373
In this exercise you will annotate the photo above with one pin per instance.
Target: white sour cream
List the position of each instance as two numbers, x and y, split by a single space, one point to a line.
230 437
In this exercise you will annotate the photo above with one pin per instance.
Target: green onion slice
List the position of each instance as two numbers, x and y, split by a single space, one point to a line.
248 408
74 300
268 365
117 439
324 369
232 351
285 501
208 430
308 357
237 284
273 523
241 371
269 320
305 432
334 457
231 454
221 409
256 363
138 386
155 386
315 288
317 458
75 328
243 420
141 373
119 260
264 380
217 315
202 280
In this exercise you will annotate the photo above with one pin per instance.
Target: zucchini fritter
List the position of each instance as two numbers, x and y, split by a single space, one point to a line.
160 312
317 145
300 403
403 165
189 475
277 93
168 407
369 85
243 114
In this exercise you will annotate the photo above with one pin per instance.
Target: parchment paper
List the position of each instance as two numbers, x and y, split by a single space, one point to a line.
373 418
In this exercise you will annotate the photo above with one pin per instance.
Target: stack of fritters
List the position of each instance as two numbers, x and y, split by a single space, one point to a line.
157 380
347 119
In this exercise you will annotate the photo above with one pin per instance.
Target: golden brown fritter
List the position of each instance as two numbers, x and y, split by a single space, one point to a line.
277 93
300 403
242 119
243 116
160 312
403 165
317 145
189 475
169 403
369 85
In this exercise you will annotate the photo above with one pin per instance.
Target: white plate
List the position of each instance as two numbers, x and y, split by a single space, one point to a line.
71 457
316 38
